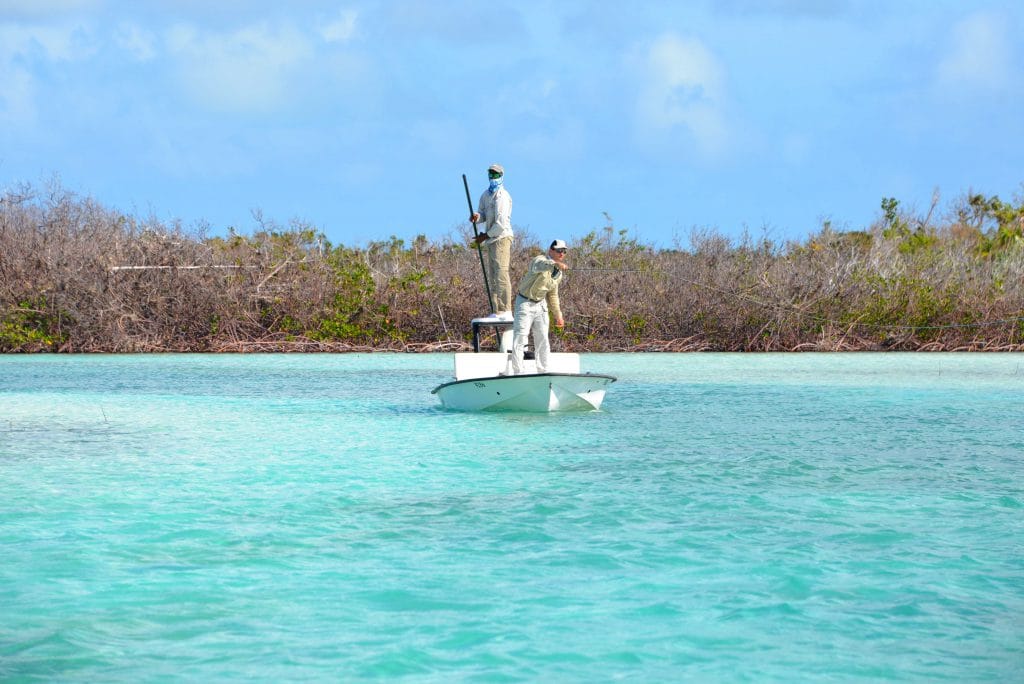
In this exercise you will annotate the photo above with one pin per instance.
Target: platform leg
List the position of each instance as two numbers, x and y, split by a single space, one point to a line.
506 341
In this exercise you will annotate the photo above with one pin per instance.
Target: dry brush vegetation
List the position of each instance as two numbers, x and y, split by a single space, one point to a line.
78 277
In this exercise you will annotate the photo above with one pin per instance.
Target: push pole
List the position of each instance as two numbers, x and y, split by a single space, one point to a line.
483 267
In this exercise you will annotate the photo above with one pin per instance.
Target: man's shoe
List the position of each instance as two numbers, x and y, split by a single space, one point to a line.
504 316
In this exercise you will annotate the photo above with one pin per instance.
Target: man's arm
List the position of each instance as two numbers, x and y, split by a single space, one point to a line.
555 307
503 213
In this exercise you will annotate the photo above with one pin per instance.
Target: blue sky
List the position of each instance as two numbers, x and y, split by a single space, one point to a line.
360 117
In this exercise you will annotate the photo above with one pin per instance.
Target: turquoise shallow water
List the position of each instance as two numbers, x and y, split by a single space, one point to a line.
319 517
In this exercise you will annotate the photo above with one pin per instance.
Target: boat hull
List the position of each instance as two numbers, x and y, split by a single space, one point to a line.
540 392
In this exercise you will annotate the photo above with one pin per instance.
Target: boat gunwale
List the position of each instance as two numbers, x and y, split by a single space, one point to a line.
612 378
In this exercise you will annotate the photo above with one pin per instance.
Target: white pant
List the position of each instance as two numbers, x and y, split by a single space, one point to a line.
530 317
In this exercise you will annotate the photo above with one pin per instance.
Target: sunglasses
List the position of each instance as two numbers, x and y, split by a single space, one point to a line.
561 251
493 174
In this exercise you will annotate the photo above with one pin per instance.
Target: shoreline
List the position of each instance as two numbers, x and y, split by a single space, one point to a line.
671 347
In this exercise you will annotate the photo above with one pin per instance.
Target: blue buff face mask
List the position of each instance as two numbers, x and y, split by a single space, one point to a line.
495 184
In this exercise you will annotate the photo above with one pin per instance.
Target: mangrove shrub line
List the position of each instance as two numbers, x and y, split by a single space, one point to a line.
78 277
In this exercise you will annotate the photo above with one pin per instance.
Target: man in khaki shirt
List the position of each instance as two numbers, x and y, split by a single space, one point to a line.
538 290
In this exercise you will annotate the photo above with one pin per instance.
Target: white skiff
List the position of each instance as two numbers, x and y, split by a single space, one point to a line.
481 384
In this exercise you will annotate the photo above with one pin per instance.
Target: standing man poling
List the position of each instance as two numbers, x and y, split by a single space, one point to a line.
538 290
495 211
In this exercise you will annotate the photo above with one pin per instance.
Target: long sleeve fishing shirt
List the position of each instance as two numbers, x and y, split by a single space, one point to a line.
495 210
541 282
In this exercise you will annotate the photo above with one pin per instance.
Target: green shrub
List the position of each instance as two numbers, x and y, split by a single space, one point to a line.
30 326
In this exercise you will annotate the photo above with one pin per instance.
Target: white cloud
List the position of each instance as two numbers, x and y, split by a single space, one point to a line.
561 141
784 8
17 97
22 49
34 9
532 97
53 43
136 41
979 55
684 88
795 148
250 69
341 29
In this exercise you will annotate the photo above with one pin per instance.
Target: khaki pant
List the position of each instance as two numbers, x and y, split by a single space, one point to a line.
530 318
499 254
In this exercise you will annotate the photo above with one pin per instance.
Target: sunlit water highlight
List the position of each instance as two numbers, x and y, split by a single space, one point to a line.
320 517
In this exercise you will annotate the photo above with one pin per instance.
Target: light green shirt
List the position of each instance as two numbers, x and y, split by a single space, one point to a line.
541 282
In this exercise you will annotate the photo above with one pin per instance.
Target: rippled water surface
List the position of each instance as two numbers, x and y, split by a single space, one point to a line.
319 517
